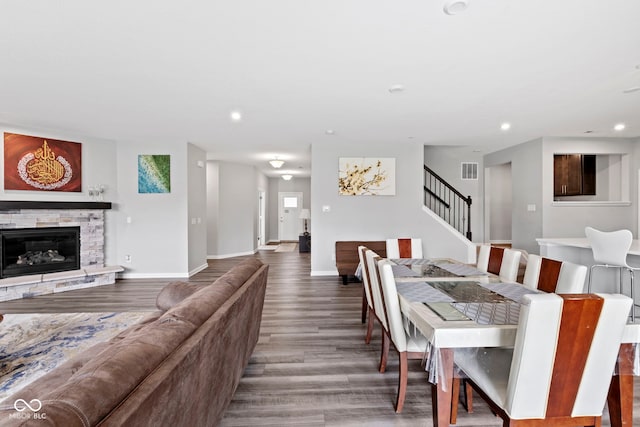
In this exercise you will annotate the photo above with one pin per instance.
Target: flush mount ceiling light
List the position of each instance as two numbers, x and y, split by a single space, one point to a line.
505 126
236 116
287 177
619 127
276 163
453 7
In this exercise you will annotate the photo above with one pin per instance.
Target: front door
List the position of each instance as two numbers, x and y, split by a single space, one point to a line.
289 205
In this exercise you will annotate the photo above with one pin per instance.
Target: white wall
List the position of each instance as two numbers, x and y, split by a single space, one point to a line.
371 217
157 236
197 210
235 209
500 203
98 167
526 189
446 162
565 220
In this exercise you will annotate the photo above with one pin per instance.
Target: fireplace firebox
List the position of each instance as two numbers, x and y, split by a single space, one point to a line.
27 251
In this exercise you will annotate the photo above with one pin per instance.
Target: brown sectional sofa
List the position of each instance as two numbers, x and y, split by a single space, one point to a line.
179 367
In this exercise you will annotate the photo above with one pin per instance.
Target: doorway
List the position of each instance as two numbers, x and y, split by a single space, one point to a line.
261 219
498 204
289 205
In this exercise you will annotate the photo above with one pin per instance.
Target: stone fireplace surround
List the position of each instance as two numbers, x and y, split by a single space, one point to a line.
89 216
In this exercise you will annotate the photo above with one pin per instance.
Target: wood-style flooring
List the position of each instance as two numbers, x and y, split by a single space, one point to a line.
311 366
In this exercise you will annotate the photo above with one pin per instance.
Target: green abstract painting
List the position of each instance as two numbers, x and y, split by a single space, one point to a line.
154 173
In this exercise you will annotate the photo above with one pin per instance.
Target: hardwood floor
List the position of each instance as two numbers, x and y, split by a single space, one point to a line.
311 366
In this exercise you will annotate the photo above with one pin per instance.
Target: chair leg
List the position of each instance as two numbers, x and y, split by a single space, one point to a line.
365 305
468 397
402 381
455 399
590 277
385 352
367 338
633 300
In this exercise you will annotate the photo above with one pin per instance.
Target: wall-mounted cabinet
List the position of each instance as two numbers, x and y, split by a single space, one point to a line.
574 175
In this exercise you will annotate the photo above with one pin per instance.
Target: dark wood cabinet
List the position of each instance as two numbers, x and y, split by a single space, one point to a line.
574 174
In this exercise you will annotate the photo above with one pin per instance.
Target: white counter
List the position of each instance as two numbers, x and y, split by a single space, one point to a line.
578 251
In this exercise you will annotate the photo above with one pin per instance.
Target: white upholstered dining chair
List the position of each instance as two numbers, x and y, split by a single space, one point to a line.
503 262
409 345
550 275
404 248
368 299
379 311
559 370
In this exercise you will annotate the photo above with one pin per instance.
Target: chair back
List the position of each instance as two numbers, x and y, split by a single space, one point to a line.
565 352
571 278
532 271
609 247
365 275
509 264
392 306
404 248
554 276
490 259
376 292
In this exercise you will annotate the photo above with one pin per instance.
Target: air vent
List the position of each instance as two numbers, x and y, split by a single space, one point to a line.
470 171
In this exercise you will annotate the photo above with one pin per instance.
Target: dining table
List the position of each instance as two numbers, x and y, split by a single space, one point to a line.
454 305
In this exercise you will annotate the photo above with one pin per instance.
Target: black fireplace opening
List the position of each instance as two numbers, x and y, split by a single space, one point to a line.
39 250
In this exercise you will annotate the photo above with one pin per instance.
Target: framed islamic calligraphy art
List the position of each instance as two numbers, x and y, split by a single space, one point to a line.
41 164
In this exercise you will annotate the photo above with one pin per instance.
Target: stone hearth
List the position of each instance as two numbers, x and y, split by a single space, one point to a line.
89 216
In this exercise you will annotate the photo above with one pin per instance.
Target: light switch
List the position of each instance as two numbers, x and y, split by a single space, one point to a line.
531 208
326 208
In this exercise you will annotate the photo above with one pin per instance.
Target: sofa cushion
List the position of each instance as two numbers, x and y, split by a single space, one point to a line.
174 293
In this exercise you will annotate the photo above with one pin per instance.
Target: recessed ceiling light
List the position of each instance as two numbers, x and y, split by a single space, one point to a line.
287 177
619 127
505 126
330 132
236 116
453 7
396 88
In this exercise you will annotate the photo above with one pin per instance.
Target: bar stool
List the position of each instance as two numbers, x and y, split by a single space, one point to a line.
610 250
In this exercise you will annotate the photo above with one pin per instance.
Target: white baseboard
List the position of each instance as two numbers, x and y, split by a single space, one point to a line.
153 276
324 273
231 255
198 269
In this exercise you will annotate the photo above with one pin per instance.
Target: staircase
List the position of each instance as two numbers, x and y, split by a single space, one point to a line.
447 202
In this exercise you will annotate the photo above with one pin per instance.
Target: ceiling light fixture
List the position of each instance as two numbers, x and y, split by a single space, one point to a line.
330 132
619 127
276 163
236 116
453 7
287 177
505 126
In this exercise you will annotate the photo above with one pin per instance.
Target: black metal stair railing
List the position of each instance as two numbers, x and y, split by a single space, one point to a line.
447 202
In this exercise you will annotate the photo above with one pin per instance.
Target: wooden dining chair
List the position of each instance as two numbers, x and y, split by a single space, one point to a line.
408 345
550 275
559 370
404 248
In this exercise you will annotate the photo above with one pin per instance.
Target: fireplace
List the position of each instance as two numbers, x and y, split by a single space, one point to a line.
27 251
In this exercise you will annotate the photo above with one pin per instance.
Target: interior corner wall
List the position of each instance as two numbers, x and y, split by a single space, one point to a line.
371 217
446 162
526 187
156 237
99 167
213 203
237 210
197 210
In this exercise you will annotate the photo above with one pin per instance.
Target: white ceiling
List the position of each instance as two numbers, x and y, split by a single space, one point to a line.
172 71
